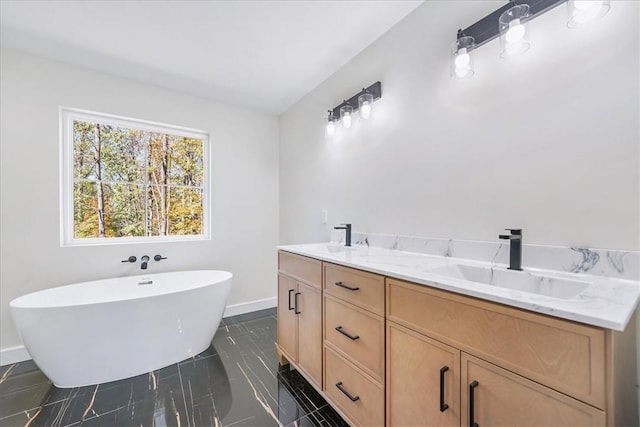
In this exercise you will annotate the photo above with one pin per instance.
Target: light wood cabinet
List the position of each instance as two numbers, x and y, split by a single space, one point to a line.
423 380
502 398
300 315
357 334
354 393
566 356
287 319
384 351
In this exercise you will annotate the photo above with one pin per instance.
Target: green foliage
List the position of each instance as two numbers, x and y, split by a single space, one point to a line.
138 183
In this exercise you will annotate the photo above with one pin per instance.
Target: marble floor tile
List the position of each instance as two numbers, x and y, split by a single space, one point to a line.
235 382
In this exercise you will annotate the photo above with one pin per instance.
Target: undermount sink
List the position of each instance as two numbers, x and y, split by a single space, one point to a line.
340 248
516 280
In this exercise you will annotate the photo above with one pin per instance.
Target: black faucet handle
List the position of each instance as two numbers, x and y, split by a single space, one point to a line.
159 257
516 231
345 226
130 259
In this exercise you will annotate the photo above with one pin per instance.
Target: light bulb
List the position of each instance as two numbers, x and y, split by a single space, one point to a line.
587 4
331 128
346 120
462 58
586 10
516 31
365 111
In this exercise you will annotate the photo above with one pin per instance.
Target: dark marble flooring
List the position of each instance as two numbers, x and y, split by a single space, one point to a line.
235 382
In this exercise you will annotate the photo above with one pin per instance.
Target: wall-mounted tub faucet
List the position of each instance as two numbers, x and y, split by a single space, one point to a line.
347 227
515 247
145 260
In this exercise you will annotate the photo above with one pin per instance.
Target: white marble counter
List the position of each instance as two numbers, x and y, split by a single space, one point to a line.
605 302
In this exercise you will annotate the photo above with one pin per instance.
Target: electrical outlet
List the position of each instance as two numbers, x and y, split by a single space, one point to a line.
324 216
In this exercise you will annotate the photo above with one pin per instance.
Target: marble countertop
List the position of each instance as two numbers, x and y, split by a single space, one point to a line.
605 302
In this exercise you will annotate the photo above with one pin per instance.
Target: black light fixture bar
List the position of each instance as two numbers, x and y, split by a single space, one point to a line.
375 90
487 29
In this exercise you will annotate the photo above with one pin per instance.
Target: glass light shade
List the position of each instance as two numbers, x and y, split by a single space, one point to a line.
330 126
346 116
582 12
514 31
461 59
365 105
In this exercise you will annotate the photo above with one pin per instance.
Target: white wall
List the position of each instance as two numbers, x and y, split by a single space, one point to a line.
244 173
548 142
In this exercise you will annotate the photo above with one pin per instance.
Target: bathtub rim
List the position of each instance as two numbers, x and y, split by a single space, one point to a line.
18 302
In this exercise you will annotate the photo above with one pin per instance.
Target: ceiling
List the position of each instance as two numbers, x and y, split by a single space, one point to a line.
263 54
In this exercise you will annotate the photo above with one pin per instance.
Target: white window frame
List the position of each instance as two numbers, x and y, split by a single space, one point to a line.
67 117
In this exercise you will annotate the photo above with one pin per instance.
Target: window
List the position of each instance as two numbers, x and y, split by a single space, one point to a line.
125 180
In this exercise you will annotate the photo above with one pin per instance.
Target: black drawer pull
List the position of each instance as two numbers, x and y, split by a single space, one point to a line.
351 337
342 285
443 406
353 398
290 290
295 298
472 386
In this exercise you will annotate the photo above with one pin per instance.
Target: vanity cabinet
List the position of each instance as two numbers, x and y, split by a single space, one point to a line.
300 315
423 380
354 337
384 351
504 366
492 396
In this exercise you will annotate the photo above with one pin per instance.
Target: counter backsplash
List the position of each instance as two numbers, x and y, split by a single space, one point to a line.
600 262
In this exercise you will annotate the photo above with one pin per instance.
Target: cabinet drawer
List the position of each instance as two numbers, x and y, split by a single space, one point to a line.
368 407
366 290
305 269
501 398
563 355
367 350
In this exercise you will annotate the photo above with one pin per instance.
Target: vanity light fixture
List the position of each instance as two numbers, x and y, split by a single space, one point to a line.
510 23
365 104
346 115
514 31
361 101
461 60
330 128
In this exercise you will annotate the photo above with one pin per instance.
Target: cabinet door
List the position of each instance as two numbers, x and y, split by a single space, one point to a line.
493 396
287 319
309 312
423 380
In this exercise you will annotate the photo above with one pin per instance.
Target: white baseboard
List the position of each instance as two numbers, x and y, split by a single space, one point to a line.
248 307
14 355
19 353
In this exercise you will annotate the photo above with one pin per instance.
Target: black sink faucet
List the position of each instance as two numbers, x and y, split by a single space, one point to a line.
515 247
145 260
346 227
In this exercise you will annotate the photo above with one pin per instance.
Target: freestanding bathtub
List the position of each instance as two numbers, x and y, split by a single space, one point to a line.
106 330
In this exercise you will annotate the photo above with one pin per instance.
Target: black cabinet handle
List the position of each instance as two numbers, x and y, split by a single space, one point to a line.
342 285
295 298
351 337
290 290
472 386
443 406
349 395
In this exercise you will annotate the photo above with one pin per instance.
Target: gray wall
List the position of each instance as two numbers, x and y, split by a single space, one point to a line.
548 142
244 183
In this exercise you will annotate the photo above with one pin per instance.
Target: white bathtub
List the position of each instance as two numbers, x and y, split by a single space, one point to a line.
106 330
